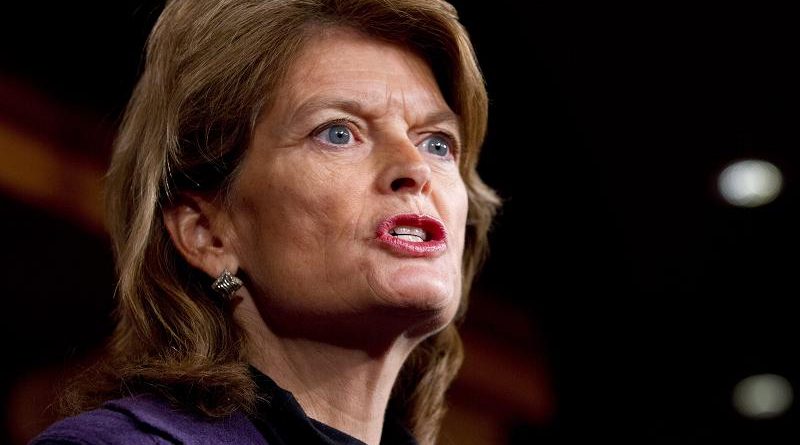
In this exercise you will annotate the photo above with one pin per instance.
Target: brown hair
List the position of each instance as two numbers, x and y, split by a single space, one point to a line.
212 67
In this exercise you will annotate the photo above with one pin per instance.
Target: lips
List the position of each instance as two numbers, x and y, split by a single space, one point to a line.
413 235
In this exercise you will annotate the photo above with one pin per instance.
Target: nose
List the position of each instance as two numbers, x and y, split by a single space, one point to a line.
404 170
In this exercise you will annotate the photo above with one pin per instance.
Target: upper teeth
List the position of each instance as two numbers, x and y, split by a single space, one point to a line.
413 234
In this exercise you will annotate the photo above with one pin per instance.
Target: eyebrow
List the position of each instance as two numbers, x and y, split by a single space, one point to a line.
322 103
445 116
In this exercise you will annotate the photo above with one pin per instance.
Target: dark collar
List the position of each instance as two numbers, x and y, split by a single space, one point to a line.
282 420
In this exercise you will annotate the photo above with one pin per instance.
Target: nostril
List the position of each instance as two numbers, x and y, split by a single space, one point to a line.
400 183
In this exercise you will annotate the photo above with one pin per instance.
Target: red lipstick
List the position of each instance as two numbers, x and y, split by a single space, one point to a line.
402 235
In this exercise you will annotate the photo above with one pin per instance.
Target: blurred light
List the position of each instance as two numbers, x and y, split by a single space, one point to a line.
750 183
763 396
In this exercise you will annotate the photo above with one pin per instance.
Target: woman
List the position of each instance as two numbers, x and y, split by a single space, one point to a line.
297 219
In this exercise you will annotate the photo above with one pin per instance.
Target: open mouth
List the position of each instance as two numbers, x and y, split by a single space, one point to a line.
408 233
414 235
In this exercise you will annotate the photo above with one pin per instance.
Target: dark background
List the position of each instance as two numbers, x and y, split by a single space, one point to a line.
608 127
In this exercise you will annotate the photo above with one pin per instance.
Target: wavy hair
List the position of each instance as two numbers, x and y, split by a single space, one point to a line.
212 67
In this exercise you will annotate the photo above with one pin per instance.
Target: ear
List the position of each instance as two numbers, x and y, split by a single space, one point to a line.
199 231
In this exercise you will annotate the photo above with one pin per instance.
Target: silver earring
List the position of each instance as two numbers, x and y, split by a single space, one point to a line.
226 284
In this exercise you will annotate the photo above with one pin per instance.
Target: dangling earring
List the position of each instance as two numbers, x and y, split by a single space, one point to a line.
226 284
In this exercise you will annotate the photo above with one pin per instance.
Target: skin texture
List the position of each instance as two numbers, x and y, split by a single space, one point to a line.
330 313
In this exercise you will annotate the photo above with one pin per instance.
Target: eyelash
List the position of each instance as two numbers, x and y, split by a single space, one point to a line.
352 126
452 141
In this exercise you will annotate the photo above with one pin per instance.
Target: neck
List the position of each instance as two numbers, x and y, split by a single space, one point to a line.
345 387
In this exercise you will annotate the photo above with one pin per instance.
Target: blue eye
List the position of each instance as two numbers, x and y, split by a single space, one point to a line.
436 145
338 134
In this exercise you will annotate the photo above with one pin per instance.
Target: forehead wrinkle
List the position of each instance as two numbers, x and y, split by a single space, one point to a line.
413 105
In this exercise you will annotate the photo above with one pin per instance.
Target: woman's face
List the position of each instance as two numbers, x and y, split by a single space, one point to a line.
349 209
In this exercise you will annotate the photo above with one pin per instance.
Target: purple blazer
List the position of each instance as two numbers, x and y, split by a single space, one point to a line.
148 420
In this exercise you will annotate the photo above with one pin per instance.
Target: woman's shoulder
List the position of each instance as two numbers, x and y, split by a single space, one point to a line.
146 419
105 425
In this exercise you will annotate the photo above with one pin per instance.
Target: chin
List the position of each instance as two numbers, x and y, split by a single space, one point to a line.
422 300
421 288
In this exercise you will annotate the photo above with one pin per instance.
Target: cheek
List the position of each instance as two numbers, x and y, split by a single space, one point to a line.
453 205
327 207
297 213
457 203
